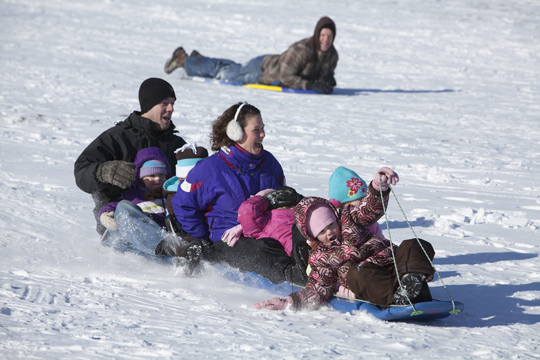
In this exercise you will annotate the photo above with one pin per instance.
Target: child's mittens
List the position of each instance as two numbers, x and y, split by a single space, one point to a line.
107 219
275 304
232 235
385 177
344 292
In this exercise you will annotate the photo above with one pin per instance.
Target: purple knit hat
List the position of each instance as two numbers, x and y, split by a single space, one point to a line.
152 167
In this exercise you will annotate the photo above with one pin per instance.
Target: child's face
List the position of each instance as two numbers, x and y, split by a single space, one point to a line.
154 182
329 233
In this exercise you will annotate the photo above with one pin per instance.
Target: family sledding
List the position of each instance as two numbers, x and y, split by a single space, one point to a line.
161 197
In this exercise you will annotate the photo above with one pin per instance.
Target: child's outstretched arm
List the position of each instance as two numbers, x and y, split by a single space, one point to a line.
275 303
385 177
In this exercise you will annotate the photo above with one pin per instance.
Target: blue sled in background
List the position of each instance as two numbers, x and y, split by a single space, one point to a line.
252 86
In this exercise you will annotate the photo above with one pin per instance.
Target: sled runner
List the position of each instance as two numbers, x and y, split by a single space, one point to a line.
253 86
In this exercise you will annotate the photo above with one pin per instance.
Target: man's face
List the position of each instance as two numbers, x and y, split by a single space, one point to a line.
326 38
161 114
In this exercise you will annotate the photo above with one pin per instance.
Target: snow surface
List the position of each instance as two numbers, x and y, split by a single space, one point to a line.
444 92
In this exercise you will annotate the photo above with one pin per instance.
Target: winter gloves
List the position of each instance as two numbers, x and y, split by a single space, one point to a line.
275 303
107 219
325 85
283 196
232 235
319 86
383 178
116 172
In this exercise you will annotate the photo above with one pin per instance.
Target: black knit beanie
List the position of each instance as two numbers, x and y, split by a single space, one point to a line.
152 92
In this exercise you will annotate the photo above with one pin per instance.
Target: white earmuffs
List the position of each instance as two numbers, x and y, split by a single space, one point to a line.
234 130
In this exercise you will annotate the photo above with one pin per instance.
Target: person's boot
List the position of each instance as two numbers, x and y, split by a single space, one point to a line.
189 256
414 288
167 246
296 275
176 61
195 53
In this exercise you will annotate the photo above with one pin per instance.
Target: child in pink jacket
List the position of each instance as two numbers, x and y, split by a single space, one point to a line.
269 214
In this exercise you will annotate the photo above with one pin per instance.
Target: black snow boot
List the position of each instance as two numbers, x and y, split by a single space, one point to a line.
414 287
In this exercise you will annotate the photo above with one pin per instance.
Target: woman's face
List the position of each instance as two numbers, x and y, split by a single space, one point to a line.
253 135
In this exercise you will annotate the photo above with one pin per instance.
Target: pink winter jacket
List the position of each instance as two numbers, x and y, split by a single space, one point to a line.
258 222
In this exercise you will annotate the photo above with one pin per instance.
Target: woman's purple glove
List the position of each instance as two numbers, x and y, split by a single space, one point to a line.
232 235
275 304
385 177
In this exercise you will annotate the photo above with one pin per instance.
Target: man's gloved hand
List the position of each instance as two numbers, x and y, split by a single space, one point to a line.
328 79
283 196
107 219
319 86
116 172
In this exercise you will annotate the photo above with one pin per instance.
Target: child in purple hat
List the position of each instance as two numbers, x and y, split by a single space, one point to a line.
137 218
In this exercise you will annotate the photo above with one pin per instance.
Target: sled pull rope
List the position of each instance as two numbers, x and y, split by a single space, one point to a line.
415 312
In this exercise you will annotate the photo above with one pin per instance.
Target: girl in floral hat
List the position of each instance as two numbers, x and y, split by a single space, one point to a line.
347 255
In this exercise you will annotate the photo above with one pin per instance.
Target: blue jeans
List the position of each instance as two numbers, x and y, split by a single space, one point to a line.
135 229
223 69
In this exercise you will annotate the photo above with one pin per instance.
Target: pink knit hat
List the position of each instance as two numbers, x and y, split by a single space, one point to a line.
318 217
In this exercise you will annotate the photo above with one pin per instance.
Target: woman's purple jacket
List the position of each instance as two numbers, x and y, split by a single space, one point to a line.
207 202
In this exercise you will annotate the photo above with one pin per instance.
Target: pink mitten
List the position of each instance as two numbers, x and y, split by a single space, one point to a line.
232 235
385 177
275 303
345 292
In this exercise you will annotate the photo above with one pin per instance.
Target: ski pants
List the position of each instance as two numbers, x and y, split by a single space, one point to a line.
265 256
377 284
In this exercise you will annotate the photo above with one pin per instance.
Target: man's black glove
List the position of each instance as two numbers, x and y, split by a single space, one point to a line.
319 87
283 196
116 172
328 79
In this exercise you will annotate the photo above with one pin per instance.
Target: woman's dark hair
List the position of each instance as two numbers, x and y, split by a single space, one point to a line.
218 137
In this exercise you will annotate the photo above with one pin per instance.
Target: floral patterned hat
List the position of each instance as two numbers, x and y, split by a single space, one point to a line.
346 185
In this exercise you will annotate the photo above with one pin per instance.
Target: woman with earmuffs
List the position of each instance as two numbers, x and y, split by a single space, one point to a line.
207 201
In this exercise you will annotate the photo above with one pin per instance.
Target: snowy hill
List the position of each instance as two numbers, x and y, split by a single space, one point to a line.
445 93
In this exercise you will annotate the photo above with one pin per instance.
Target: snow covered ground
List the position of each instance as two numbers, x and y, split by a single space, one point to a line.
444 92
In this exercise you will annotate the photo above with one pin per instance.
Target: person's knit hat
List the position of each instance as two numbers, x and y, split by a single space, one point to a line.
152 167
345 185
152 92
318 217
186 158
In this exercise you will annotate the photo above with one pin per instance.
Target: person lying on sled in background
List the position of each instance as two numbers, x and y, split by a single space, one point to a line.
308 64
349 259
137 218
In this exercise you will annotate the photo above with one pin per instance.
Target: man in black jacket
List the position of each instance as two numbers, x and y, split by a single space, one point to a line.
105 168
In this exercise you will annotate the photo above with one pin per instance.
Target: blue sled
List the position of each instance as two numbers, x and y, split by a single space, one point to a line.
421 312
